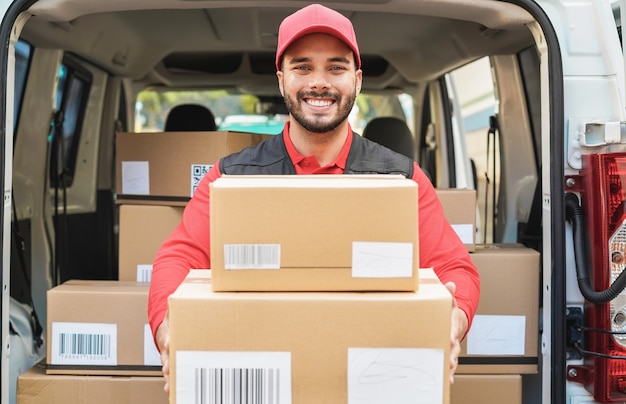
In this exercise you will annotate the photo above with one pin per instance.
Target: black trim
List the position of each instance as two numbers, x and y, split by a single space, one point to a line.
153 198
558 341
498 360
117 368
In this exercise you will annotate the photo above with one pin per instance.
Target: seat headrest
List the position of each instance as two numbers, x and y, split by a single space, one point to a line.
190 118
392 133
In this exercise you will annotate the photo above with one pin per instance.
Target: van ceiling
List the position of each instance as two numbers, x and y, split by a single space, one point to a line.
204 43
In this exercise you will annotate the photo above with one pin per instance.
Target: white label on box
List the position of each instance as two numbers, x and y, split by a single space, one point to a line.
252 256
151 355
198 171
84 344
497 335
135 177
395 375
240 377
144 272
382 260
465 232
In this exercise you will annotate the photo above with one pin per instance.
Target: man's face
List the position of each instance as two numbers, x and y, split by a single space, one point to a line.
319 82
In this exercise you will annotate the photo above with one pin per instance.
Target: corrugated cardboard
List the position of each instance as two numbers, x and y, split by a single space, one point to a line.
504 336
314 222
94 305
459 207
486 389
36 387
317 330
142 230
158 166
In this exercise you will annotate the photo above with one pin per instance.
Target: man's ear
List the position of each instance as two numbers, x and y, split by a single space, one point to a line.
279 75
359 81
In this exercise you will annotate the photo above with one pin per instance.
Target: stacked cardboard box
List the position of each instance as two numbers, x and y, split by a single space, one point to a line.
99 347
315 296
143 228
483 389
157 173
311 347
165 168
502 345
36 387
459 208
100 328
504 336
98 337
314 233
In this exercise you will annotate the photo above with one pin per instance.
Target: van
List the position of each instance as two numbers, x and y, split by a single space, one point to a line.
520 100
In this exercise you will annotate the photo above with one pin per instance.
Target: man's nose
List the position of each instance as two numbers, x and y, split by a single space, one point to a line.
319 80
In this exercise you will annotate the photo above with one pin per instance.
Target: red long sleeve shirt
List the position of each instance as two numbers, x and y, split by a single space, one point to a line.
187 246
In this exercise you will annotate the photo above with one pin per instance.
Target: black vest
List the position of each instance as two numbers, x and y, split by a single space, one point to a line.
270 157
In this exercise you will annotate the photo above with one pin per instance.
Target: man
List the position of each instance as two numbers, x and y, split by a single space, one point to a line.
318 70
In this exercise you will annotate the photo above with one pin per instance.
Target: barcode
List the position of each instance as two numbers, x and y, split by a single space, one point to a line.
252 256
237 386
144 273
94 346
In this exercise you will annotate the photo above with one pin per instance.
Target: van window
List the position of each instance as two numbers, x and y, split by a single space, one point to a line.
23 51
256 114
474 99
71 100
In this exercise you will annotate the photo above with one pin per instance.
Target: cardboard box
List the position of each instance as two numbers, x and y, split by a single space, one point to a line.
142 230
504 337
36 387
320 347
459 207
482 389
314 233
100 328
167 166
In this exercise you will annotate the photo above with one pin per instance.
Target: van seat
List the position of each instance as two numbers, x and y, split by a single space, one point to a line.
190 118
392 133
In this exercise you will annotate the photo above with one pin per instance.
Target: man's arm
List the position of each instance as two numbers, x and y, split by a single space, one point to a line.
187 247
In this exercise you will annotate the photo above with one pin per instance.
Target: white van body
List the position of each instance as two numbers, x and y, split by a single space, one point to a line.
546 69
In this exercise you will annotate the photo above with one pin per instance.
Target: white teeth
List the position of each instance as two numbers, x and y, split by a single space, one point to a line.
319 103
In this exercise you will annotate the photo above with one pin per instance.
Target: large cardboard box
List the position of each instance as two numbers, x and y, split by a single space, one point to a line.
314 233
142 230
100 328
36 387
486 389
459 207
504 337
311 347
167 166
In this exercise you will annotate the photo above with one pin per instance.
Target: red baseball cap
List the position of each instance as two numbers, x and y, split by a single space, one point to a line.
316 19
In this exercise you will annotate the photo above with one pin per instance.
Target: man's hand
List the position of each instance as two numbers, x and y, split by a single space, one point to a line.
163 343
458 330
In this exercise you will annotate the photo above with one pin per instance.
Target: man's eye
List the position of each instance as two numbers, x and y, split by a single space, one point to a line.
337 68
302 67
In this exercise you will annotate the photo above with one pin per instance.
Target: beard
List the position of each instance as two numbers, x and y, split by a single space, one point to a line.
319 124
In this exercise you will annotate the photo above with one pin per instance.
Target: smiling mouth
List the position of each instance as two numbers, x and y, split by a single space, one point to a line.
319 103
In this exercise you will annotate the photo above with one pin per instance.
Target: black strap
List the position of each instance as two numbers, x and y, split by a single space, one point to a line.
491 147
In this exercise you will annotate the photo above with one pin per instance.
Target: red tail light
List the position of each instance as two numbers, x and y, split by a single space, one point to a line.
603 179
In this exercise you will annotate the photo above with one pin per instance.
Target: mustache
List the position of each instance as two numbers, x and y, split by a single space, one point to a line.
315 94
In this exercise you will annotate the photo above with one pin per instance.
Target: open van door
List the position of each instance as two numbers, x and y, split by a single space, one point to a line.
73 73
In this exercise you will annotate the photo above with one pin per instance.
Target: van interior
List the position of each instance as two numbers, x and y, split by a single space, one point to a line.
462 80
